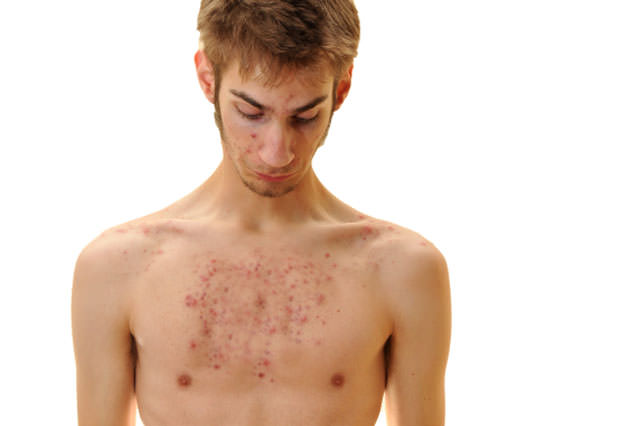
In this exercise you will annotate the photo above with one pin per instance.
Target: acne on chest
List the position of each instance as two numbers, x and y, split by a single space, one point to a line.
248 310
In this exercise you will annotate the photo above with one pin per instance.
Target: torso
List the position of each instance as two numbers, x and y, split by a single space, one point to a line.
243 329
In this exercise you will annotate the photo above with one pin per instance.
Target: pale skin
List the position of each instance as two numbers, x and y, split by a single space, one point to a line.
260 298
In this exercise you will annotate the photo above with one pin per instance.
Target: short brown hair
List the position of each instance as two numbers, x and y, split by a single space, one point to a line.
279 35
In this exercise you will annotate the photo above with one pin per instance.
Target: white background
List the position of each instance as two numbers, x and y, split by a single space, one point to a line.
503 131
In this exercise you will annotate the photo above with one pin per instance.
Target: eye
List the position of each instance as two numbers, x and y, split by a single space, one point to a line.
248 116
304 120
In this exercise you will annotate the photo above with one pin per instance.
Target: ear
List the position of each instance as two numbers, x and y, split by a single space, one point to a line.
205 75
342 89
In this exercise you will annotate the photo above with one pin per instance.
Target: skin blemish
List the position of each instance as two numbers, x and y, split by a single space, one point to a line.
190 301
184 380
217 367
327 255
254 135
320 299
337 380
261 375
193 344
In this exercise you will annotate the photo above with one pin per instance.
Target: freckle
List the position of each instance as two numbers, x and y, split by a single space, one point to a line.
337 380
184 380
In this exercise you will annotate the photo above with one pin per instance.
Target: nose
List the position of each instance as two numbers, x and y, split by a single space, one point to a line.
275 150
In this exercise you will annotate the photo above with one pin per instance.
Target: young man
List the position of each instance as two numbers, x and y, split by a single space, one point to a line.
260 298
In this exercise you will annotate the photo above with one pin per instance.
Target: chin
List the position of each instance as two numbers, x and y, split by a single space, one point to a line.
269 190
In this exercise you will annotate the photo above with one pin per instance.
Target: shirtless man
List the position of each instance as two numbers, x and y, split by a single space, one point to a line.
260 298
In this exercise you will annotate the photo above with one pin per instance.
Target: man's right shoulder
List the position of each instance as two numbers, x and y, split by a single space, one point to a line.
115 253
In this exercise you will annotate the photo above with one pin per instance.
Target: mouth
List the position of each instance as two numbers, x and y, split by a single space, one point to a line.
273 178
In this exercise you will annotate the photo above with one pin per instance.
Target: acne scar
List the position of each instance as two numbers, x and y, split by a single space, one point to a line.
184 380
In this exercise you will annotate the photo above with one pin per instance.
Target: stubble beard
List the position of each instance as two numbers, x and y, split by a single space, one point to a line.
277 189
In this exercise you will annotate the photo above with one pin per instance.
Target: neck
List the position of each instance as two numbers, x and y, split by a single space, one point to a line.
224 197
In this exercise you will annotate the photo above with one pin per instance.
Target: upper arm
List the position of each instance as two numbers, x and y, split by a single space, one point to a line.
420 340
102 340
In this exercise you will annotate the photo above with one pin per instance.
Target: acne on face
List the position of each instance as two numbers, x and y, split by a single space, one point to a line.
244 305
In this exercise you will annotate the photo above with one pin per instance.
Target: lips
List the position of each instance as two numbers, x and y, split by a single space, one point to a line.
273 178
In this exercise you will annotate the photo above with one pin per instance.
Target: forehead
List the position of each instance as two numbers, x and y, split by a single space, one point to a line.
301 80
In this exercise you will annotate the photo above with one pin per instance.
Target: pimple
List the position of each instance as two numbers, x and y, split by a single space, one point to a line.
253 135
327 255
190 301
193 344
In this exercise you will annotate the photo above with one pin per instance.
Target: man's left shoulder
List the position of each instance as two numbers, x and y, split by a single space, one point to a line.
408 259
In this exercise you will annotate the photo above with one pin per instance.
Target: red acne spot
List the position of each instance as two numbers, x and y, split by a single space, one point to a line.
321 298
361 216
204 278
304 319
248 151
226 289
327 255
146 230
272 330
390 228
217 367
253 135
184 380
213 261
230 336
122 231
261 375
337 380
290 298
190 301
423 244
193 344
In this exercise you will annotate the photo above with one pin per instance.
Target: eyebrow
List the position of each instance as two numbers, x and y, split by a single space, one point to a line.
248 99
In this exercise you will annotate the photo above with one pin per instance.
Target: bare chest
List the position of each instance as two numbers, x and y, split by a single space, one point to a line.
236 319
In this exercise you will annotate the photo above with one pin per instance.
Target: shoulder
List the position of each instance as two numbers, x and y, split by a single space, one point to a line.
412 270
121 250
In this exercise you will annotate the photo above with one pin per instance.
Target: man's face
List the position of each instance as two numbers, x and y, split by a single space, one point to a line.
271 134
